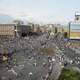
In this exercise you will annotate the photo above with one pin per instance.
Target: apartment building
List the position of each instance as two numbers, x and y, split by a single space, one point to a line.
7 30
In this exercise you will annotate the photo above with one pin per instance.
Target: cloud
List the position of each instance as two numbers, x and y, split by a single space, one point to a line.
40 10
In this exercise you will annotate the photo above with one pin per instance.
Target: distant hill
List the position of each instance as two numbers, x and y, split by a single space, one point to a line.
6 18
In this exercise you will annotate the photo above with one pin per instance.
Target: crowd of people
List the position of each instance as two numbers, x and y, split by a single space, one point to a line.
35 57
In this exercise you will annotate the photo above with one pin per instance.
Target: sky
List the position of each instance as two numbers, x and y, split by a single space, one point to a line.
46 11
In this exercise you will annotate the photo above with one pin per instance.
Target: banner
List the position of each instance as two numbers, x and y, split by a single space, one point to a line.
75 31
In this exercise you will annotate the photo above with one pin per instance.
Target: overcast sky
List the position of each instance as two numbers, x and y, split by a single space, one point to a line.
41 10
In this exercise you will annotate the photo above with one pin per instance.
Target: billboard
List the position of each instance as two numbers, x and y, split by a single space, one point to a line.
74 30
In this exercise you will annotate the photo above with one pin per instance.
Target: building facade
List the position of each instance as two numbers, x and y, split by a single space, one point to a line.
7 30
14 30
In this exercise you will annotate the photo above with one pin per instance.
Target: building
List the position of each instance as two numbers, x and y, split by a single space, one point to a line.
51 28
23 30
14 30
7 30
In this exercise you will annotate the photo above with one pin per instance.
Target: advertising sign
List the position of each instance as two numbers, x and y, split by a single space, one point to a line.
75 31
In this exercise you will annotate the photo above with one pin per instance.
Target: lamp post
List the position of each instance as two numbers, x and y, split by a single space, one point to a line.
69 28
